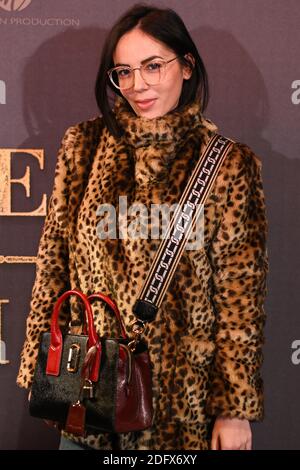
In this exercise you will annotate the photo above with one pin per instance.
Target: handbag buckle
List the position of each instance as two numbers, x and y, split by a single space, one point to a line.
87 389
138 328
73 358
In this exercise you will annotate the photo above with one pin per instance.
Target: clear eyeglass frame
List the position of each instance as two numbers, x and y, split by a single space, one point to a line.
157 75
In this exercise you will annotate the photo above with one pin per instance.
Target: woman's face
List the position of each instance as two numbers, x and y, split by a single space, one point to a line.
150 101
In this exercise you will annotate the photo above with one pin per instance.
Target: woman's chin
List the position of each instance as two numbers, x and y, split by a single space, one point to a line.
149 114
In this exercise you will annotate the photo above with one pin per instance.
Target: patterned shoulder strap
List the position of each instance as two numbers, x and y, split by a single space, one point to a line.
188 210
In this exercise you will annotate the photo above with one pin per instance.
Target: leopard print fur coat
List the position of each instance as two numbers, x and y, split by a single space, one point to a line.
206 342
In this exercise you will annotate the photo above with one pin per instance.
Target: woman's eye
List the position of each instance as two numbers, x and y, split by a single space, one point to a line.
153 66
123 73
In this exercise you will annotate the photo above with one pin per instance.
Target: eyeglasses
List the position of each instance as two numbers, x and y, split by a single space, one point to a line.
152 72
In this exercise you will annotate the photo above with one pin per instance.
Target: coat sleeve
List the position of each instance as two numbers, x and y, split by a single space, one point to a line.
239 260
52 274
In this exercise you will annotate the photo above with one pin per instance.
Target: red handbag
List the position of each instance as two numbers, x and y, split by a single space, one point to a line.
89 384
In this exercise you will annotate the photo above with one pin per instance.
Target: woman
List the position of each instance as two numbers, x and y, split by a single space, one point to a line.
206 342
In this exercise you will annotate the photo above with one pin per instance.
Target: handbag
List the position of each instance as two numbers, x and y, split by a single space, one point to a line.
104 385
89 385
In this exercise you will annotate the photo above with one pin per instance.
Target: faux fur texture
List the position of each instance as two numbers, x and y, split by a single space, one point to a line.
206 343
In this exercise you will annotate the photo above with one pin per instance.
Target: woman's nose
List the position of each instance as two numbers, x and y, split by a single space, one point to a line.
139 83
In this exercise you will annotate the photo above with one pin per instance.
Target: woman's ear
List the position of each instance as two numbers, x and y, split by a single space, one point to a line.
188 68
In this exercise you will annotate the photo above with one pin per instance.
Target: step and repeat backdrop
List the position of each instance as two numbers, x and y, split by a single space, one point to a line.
49 54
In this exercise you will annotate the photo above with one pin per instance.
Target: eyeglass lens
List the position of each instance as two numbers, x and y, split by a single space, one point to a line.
151 72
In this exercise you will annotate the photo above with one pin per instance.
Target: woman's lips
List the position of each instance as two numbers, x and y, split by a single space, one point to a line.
145 104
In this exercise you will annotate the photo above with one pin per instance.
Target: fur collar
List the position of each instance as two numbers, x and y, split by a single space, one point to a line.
166 130
154 143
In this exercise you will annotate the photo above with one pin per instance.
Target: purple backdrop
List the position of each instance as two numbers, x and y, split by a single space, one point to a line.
49 53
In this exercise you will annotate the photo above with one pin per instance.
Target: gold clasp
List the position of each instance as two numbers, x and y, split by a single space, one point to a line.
73 358
88 389
138 328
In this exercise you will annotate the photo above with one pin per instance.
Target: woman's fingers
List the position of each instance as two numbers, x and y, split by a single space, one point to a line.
231 434
215 443
249 444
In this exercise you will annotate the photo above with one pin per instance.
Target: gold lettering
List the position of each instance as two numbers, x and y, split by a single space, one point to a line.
17 259
3 359
6 181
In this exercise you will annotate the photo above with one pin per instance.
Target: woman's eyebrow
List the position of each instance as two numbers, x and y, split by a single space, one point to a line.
143 61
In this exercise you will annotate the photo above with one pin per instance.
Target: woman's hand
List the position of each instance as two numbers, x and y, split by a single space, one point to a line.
231 434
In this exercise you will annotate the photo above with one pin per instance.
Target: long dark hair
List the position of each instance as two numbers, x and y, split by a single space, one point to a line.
167 27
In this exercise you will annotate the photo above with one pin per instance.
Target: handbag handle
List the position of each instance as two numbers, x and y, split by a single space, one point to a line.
56 341
113 307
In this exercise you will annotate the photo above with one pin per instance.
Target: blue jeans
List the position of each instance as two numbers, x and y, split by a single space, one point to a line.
67 444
